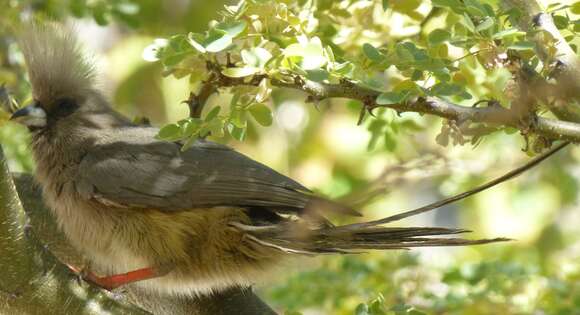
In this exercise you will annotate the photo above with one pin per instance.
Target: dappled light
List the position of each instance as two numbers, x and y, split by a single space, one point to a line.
381 106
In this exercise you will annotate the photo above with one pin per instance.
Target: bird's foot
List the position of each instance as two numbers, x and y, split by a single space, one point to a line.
112 282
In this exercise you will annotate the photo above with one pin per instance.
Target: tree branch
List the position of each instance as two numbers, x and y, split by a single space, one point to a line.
492 115
196 103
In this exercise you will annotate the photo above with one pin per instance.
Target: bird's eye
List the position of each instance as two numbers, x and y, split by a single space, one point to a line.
64 108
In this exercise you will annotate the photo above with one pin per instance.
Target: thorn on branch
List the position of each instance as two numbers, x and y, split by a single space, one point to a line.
193 105
361 115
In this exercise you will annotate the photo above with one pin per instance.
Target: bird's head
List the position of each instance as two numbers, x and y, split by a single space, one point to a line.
61 76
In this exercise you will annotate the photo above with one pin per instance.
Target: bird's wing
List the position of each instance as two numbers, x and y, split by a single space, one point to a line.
157 174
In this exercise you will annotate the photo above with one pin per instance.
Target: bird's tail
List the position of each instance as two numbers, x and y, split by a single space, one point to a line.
300 239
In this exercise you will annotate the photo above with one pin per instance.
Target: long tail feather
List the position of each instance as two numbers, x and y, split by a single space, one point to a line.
297 239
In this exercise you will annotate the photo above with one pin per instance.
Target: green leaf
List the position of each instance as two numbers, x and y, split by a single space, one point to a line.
438 36
100 14
212 113
468 23
475 8
575 8
344 69
218 42
390 142
190 127
455 5
216 128
388 98
506 33
194 40
239 72
256 57
411 125
486 24
294 50
522 45
170 60
170 132
446 89
317 75
362 309
233 29
385 5
264 91
78 8
372 53
238 118
313 57
237 133
261 113
561 21
311 53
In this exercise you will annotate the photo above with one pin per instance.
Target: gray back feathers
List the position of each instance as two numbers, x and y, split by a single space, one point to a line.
57 66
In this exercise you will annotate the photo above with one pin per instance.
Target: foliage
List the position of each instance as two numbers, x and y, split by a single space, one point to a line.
263 57
461 50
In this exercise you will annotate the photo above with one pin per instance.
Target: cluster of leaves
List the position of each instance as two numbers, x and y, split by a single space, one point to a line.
405 286
104 11
462 50
101 11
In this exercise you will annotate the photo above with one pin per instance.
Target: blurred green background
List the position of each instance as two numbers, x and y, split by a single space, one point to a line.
323 148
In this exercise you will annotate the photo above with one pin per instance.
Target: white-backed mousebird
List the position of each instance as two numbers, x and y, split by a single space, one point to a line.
191 221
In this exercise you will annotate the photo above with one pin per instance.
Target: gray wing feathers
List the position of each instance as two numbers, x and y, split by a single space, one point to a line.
158 175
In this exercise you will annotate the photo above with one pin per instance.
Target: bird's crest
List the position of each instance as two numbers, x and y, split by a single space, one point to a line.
57 65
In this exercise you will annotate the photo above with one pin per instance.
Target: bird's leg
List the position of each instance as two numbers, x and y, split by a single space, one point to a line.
114 281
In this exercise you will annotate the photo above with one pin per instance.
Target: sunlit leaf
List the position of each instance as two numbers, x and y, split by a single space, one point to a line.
256 57
522 45
261 113
170 132
438 36
239 72
486 24
218 42
212 113
233 28
195 41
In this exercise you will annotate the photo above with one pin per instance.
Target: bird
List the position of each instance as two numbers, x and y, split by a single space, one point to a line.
178 221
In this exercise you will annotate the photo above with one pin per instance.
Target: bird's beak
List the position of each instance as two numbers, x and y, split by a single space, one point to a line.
32 116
